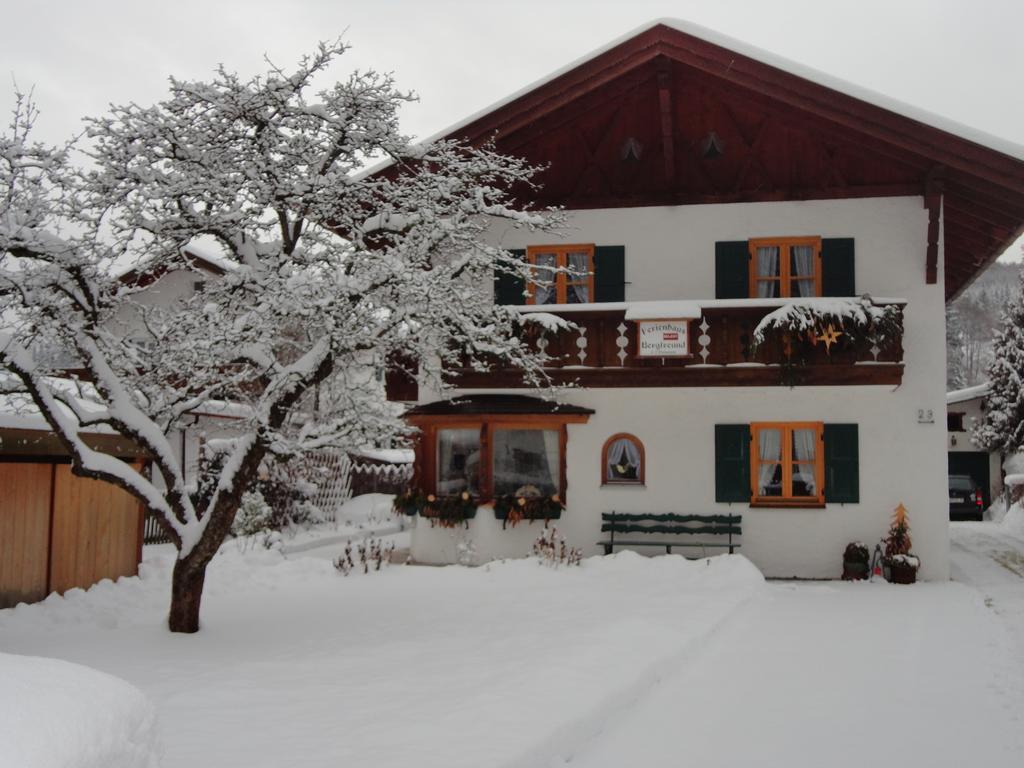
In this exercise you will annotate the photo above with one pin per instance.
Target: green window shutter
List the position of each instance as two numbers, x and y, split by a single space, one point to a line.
610 273
842 464
837 270
732 270
508 289
732 462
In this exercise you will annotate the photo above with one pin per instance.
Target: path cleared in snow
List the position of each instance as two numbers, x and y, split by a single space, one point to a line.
297 666
844 675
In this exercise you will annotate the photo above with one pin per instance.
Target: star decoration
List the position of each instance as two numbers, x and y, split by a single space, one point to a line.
829 337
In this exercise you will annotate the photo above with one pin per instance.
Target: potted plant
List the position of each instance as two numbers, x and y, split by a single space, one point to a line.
856 561
902 565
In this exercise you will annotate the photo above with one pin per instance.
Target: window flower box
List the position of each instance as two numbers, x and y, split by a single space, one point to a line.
512 510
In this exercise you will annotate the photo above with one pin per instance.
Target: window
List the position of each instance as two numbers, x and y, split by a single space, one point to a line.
525 462
787 463
622 460
493 456
458 460
955 421
784 267
573 285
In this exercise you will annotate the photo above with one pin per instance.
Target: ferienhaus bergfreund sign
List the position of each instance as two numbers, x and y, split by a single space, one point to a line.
663 338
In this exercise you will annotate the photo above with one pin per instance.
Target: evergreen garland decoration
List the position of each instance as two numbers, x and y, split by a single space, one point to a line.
1002 427
410 502
846 323
512 509
446 511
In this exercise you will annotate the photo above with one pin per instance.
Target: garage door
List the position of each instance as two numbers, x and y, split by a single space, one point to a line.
975 464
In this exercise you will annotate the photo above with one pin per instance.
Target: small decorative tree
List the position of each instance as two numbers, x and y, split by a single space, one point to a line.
902 565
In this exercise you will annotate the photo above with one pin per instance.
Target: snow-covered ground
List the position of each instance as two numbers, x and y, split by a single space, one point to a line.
625 660
54 714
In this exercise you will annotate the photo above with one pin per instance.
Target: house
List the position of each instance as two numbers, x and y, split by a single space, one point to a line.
757 262
965 408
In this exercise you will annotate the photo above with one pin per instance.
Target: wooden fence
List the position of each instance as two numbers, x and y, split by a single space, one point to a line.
58 531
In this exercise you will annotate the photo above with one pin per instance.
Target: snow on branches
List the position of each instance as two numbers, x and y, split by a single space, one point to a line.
327 274
1002 426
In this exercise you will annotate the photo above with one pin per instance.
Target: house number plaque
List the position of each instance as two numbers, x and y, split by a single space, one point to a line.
663 338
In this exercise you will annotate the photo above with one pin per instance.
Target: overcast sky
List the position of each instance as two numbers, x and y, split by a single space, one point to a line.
962 59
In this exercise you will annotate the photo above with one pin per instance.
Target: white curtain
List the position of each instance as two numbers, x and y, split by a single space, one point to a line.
803 450
803 266
526 462
458 460
767 266
579 270
544 279
623 454
769 448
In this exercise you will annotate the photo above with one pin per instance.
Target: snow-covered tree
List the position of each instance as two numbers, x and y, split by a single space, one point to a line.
332 273
1002 428
956 363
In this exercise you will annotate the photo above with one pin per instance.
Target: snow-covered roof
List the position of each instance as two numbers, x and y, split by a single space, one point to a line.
200 254
19 412
968 393
811 74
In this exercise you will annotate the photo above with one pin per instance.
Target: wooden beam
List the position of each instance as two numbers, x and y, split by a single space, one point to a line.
667 126
690 376
933 187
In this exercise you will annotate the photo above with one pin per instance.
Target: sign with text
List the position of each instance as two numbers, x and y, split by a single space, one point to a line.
663 338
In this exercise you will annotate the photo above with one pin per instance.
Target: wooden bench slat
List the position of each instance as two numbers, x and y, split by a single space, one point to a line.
667 544
634 528
671 517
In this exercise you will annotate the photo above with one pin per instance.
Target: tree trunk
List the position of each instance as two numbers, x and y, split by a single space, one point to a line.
186 593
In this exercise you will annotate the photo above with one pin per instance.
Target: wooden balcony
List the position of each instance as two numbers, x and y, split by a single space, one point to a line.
602 351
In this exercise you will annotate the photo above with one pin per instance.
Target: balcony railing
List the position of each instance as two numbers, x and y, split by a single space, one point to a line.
602 349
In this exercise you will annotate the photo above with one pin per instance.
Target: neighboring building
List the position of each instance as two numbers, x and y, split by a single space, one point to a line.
709 186
964 409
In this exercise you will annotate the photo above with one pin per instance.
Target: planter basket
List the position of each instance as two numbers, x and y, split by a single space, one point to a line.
855 570
902 572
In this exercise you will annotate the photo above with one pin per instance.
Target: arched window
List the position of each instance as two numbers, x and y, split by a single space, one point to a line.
622 460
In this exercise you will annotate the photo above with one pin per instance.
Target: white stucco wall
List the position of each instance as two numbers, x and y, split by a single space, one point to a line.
670 255
960 442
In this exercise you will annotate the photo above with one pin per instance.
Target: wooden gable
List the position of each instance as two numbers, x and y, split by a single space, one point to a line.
666 118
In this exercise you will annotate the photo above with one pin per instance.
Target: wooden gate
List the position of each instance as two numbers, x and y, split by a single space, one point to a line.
58 531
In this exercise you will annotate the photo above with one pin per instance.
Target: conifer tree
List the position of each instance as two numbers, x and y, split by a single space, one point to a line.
1002 428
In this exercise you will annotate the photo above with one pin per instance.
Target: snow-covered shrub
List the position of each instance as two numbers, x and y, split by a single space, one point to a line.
254 515
552 549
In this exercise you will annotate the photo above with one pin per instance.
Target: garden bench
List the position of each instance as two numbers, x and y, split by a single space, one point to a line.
666 525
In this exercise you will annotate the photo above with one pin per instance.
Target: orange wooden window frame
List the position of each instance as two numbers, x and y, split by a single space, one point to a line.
640 475
786 461
562 281
427 451
785 279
